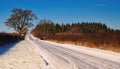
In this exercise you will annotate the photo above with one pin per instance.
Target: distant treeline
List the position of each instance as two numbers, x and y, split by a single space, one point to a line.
91 34
6 38
49 28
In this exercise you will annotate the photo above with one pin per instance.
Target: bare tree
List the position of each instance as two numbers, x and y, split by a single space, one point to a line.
21 20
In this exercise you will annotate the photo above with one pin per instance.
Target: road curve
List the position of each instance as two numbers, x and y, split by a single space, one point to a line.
57 57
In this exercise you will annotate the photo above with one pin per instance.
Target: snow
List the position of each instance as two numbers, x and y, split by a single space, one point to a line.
103 54
33 53
22 55
68 56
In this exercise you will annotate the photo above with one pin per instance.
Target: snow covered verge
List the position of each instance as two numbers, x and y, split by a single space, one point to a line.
103 54
21 56
68 56
33 53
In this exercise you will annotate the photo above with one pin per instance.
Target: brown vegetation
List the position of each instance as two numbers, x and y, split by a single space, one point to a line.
21 20
6 38
108 41
91 34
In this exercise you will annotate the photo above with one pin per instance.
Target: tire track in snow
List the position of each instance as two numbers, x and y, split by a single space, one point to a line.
73 59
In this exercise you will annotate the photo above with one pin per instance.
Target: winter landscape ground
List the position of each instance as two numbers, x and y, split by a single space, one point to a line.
60 34
33 53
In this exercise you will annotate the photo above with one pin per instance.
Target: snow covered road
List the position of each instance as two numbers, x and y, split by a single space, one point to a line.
66 56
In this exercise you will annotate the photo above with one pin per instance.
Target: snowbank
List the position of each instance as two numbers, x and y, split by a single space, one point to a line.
103 54
22 56
68 56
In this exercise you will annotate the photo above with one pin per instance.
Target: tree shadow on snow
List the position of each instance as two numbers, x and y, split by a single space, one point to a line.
7 47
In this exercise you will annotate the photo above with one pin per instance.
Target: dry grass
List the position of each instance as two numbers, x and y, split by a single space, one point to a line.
107 41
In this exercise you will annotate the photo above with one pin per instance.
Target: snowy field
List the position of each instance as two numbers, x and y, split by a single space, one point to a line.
33 53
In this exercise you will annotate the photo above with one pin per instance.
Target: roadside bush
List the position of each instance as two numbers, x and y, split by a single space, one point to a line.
108 41
6 38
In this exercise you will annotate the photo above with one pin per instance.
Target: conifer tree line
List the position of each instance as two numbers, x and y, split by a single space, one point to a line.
48 28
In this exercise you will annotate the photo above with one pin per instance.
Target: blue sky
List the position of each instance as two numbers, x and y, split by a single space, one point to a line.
66 11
